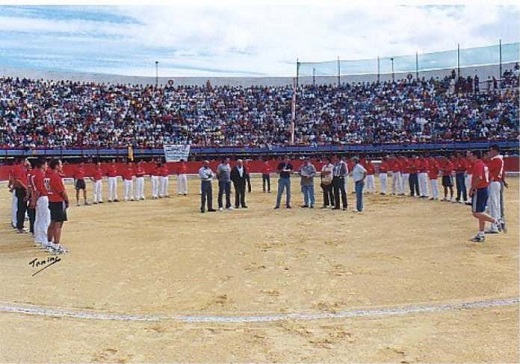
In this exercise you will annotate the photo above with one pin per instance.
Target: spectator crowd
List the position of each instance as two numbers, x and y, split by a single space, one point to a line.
49 114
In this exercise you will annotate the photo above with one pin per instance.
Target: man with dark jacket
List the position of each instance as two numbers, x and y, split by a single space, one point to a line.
239 176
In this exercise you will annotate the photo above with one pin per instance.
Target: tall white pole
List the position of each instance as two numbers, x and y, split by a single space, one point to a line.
293 113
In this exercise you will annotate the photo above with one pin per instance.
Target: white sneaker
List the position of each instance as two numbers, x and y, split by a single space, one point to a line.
58 249
230 208
220 209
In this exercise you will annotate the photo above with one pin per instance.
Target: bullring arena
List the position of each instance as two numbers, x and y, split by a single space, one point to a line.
156 281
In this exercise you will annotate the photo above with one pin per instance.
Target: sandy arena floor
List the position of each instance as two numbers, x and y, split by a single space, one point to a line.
157 281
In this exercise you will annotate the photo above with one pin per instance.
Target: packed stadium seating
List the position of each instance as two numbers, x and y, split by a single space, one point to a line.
46 114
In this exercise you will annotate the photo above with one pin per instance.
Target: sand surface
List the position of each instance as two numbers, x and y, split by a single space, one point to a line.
164 259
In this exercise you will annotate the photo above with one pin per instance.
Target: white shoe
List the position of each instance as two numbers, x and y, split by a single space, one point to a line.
220 209
230 208
58 249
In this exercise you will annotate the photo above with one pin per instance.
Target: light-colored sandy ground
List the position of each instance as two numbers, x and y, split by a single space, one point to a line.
164 258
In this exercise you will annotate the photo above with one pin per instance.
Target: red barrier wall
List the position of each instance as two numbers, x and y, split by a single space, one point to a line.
511 165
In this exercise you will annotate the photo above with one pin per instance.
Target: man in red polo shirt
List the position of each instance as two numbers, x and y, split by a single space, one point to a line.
423 167
139 181
128 178
433 174
479 194
496 172
97 178
43 214
447 179
165 181
79 183
396 176
371 185
383 174
266 176
112 181
182 179
405 174
58 204
20 187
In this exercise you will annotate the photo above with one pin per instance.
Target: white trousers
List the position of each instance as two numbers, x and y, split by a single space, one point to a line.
98 191
396 183
139 188
382 179
164 187
155 186
434 186
405 183
42 220
494 203
371 185
467 182
112 188
14 209
182 184
129 190
423 184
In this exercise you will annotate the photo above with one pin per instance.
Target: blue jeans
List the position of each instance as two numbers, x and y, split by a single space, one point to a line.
308 195
224 187
359 195
284 183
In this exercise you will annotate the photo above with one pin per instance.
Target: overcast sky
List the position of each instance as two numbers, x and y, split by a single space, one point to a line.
248 38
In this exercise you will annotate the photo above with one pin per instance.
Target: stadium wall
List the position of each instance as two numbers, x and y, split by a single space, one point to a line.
511 166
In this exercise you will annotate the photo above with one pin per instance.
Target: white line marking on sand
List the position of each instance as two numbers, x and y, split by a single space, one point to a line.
369 312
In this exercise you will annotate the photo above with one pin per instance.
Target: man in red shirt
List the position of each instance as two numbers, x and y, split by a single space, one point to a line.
20 187
79 183
128 178
43 214
383 174
31 200
371 185
266 176
154 175
479 194
112 181
433 174
447 179
139 181
165 181
496 172
396 176
414 177
182 179
58 204
467 178
423 176
460 169
97 178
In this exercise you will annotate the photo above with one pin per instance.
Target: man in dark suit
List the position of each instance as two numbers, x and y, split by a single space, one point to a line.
239 176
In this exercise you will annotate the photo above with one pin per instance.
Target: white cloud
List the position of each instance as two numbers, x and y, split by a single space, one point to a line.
264 38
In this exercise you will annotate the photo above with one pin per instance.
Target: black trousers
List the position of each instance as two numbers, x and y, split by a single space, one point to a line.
413 181
266 179
461 186
32 216
240 194
339 190
207 195
224 187
328 194
21 194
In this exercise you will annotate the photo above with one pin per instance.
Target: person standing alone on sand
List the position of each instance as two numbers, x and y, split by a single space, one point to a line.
285 169
206 176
